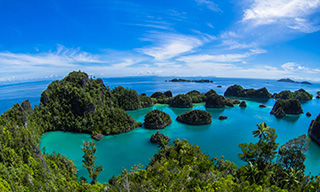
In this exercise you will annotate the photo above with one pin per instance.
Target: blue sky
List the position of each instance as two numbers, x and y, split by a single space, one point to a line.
108 38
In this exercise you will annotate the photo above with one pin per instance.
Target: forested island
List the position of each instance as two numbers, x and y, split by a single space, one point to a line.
78 103
187 80
287 80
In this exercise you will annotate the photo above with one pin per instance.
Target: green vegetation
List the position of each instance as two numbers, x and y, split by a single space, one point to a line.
157 119
159 138
79 104
195 117
126 99
183 167
215 101
163 98
196 96
300 94
238 91
181 101
290 106
89 149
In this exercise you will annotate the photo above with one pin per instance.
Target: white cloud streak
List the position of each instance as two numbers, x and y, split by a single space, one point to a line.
292 13
170 45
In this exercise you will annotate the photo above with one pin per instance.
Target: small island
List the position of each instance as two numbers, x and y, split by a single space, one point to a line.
181 101
290 106
195 117
314 130
239 91
287 80
215 101
156 138
188 81
301 95
156 119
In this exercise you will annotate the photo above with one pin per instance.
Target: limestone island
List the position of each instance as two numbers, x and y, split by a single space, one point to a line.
314 130
300 94
181 101
156 138
156 119
195 81
283 107
287 80
78 103
239 91
195 117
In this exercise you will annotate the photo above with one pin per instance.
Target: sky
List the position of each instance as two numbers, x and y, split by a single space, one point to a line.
267 39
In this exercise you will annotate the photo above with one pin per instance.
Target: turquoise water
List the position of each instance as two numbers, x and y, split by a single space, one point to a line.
219 138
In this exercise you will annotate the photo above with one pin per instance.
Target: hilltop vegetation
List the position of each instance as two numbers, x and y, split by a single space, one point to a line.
300 94
238 91
195 117
183 167
157 119
78 103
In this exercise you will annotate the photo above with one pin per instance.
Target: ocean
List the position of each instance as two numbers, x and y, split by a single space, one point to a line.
220 138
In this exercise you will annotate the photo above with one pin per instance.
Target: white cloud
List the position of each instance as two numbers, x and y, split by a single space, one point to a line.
210 4
222 58
292 67
292 13
170 45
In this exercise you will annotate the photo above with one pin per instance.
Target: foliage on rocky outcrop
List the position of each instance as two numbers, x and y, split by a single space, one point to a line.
181 101
157 119
290 106
300 94
158 138
238 91
195 117
81 104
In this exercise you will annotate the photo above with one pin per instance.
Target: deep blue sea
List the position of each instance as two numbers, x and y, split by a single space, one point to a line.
219 138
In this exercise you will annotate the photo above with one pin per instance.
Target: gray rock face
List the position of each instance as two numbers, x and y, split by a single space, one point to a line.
314 130
280 113
97 136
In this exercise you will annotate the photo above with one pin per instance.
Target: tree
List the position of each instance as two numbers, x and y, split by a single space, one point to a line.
89 150
292 154
264 151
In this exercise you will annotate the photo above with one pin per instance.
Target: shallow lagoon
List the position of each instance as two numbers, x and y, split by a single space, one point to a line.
221 137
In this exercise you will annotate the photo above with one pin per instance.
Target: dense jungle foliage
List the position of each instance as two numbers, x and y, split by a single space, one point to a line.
177 167
300 94
81 104
157 119
195 117
183 167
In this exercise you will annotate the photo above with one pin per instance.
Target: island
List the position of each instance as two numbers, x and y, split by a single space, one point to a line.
181 101
92 108
195 117
290 106
158 137
195 81
215 101
239 91
156 119
300 94
314 130
287 80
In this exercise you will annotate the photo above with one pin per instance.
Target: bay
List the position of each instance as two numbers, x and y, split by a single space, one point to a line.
219 138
